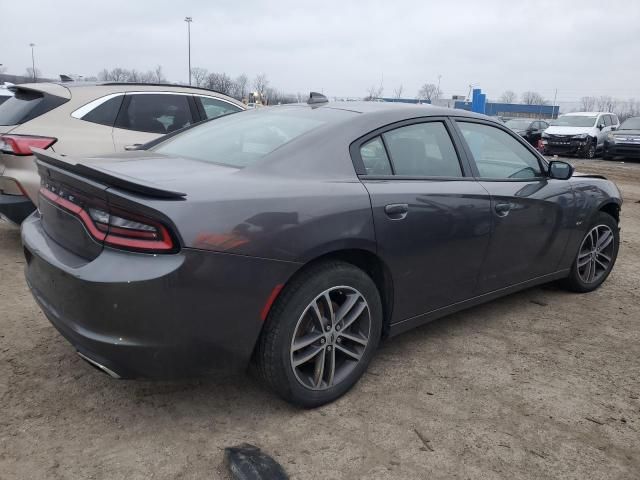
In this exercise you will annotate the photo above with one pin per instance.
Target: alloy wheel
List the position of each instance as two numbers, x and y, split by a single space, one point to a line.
596 254
330 337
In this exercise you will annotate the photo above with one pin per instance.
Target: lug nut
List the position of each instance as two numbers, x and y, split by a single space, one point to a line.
329 347
338 340
322 341
338 327
328 329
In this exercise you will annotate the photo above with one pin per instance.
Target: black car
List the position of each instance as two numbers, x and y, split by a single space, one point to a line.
299 236
529 128
625 141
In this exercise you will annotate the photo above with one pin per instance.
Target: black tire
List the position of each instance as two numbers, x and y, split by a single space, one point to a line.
275 351
575 281
590 150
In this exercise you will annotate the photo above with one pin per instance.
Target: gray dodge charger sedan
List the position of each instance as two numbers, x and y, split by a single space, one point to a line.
299 236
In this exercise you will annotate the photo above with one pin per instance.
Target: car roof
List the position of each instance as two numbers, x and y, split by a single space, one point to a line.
394 111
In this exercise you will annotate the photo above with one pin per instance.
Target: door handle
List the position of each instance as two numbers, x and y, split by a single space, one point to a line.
502 209
135 146
396 211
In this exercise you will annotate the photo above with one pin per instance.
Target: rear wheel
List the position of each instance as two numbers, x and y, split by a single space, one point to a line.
321 334
596 256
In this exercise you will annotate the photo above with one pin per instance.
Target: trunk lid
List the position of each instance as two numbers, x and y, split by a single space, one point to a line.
75 198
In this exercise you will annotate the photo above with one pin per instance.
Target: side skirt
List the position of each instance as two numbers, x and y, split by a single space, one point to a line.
413 322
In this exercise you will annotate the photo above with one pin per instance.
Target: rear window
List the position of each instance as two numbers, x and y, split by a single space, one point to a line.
26 105
241 139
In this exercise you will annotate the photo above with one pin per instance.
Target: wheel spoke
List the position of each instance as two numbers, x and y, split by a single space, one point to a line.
307 356
583 259
319 319
606 257
593 271
331 368
603 265
354 338
318 371
347 306
332 316
353 315
350 353
605 240
307 340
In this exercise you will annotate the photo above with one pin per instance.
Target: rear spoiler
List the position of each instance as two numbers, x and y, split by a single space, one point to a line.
104 176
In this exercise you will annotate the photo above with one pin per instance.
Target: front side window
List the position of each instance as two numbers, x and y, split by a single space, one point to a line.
497 154
216 108
155 113
607 120
423 150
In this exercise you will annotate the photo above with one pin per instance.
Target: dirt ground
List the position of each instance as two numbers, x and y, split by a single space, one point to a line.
540 384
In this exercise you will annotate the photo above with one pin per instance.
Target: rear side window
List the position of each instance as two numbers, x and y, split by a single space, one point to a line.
424 150
105 113
374 157
213 107
26 105
155 113
497 154
4 98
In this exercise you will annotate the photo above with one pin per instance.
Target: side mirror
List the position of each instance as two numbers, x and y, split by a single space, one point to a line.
560 170
614 128
601 126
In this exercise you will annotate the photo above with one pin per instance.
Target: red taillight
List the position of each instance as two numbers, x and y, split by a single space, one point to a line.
117 229
21 144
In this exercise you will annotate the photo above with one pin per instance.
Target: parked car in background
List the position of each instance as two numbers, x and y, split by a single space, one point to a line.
5 93
579 133
299 236
89 118
625 141
530 129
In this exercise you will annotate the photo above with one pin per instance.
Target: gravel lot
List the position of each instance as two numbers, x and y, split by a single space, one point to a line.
541 384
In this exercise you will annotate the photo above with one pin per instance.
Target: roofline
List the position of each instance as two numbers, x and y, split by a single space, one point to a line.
158 85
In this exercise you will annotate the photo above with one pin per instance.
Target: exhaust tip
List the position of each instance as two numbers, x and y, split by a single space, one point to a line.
99 366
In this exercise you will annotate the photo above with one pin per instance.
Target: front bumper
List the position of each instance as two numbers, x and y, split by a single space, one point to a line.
564 147
15 208
624 150
155 316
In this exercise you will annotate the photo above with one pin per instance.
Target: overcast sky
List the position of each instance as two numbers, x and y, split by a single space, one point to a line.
580 47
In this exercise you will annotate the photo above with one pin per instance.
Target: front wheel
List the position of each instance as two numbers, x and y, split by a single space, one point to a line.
596 256
321 334
590 150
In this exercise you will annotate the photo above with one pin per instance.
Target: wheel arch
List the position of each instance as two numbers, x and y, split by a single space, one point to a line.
612 208
367 261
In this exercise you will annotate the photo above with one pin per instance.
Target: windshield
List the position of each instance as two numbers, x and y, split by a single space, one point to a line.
630 124
574 121
241 139
518 124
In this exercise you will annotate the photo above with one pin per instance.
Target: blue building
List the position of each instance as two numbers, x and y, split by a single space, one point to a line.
514 110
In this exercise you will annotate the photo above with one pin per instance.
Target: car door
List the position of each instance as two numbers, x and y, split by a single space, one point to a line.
211 107
431 218
145 116
532 214
603 126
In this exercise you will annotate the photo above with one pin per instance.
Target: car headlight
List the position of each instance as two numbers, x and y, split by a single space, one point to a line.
611 138
545 135
582 136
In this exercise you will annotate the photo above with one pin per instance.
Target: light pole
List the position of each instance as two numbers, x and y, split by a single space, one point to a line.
33 63
189 20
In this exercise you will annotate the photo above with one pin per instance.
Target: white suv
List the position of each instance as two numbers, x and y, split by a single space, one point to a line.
89 118
579 133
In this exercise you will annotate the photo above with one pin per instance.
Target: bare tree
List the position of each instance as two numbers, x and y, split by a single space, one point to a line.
158 75
220 82
241 86
508 96
429 92
134 76
260 84
630 108
199 76
374 92
148 77
397 92
606 103
533 98
587 103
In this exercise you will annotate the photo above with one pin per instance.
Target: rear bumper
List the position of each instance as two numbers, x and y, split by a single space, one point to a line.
15 208
155 316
